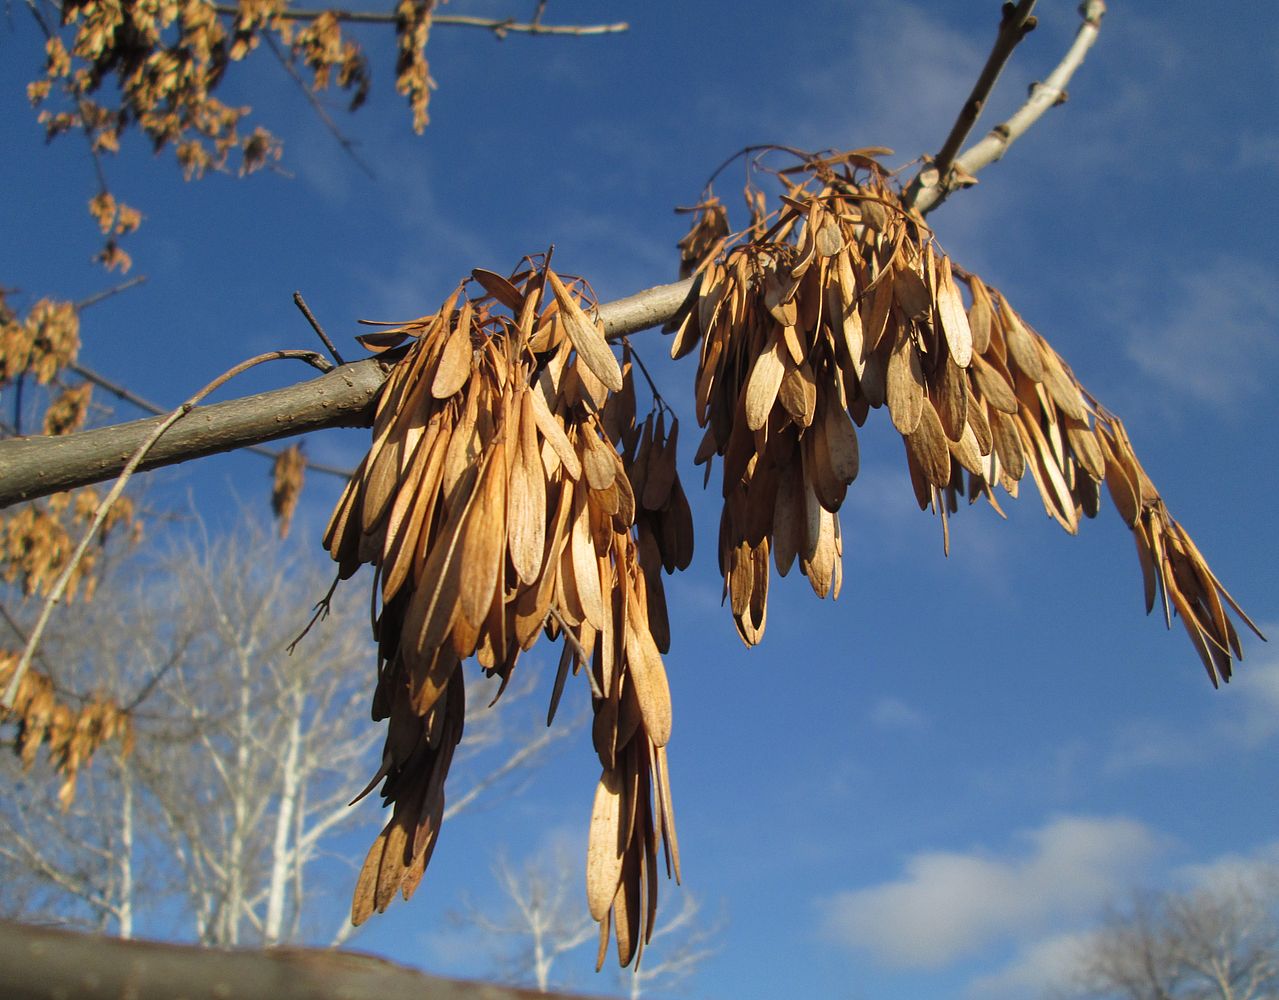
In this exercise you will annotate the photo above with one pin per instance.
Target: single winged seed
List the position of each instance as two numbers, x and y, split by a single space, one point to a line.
586 337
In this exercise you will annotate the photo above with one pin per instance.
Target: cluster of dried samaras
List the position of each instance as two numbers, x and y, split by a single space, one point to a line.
510 490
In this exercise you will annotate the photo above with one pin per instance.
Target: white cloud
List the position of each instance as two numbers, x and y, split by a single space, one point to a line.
1035 969
1210 332
949 905
1228 870
893 713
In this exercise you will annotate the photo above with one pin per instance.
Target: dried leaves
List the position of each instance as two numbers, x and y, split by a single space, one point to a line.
42 344
72 735
839 302
510 491
36 541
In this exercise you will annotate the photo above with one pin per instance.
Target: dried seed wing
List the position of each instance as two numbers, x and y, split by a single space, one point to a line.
949 394
954 321
980 315
598 459
1022 350
661 785
586 581
604 846
454 366
553 431
485 540
662 470
929 447
626 907
841 443
526 500
1007 443
905 385
499 288
994 385
588 340
764 381
798 394
645 669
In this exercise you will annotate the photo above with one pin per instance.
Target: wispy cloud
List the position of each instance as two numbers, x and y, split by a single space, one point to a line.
949 905
1248 721
893 713
1209 333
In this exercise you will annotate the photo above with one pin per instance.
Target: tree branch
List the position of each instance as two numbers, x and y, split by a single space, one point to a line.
40 962
35 467
930 188
32 467
1015 25
499 26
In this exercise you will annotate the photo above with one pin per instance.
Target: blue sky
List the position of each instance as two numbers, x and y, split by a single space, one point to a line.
931 785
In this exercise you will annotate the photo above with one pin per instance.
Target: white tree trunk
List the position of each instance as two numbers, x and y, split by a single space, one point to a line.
283 855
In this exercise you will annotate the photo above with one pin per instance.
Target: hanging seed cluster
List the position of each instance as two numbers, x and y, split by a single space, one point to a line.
71 735
839 302
510 492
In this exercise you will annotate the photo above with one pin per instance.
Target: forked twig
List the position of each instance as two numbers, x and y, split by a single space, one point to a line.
1015 24
315 325
930 188
104 507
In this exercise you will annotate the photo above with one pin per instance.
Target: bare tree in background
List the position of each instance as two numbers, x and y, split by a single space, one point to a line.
544 919
245 757
681 943
1217 943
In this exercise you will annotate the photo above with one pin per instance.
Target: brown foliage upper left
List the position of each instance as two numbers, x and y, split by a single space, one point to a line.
71 734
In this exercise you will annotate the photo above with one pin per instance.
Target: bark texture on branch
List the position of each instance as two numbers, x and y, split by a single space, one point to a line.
42 964
33 467
37 466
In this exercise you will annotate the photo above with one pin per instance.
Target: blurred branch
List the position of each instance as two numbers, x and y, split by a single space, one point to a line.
499 26
40 962
343 140
931 187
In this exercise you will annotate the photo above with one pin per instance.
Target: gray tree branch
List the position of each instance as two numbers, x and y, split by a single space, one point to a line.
32 467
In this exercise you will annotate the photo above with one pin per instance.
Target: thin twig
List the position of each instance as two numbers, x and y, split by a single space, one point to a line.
343 140
932 189
100 514
107 293
652 386
582 655
143 403
315 325
1015 24
499 26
